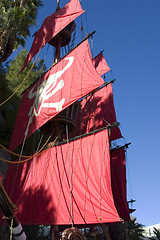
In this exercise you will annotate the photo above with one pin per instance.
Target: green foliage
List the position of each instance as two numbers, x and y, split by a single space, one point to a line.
9 82
18 14
13 77
157 233
135 230
16 18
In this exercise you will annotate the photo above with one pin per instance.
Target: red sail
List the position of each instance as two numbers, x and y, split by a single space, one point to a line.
97 112
41 188
69 80
100 64
52 25
118 176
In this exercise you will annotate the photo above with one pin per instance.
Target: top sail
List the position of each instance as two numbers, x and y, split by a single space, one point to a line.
69 80
52 25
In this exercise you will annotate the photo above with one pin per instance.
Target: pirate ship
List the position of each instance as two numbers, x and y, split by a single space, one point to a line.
77 179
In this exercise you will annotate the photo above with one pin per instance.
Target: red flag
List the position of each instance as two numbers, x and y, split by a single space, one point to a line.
42 192
69 80
97 112
100 64
52 25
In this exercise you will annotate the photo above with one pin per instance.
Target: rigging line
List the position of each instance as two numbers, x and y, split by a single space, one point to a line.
87 178
69 167
65 172
14 181
97 89
25 77
62 185
72 193
23 80
52 65
34 155
85 13
102 161
27 177
58 198
92 45
74 175
24 140
127 166
23 156
37 150
82 29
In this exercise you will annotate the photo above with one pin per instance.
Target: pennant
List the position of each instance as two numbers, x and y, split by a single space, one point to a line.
52 25
100 64
69 80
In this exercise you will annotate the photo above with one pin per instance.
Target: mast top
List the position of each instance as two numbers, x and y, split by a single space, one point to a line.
58 7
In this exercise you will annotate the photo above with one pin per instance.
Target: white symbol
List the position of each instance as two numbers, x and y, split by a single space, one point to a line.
45 91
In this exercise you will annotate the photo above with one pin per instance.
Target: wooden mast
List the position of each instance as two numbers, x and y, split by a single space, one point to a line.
67 116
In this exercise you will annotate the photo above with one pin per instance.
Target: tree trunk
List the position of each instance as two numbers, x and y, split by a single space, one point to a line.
3 42
7 46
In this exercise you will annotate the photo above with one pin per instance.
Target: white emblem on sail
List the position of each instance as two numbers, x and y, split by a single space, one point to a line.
45 91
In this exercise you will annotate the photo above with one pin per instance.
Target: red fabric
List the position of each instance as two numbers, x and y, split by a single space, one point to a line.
100 64
74 76
40 188
118 176
96 112
52 25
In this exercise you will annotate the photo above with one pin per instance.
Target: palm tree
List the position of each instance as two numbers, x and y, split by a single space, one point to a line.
15 19
135 230
157 233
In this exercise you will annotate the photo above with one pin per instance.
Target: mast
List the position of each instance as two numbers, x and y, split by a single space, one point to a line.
65 119
64 122
8 209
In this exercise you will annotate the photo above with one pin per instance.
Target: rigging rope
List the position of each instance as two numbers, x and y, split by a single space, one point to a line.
31 156
69 175
24 78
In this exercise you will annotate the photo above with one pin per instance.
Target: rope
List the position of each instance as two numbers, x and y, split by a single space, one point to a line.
24 78
20 84
70 188
8 198
61 183
11 229
34 155
8 218
100 182
23 156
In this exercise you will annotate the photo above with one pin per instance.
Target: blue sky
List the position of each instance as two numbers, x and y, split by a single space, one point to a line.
129 33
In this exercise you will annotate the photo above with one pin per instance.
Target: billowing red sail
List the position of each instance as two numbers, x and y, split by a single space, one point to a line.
52 25
118 176
42 187
97 112
100 64
69 80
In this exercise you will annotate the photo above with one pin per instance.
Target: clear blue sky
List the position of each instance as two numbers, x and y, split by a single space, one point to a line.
129 33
